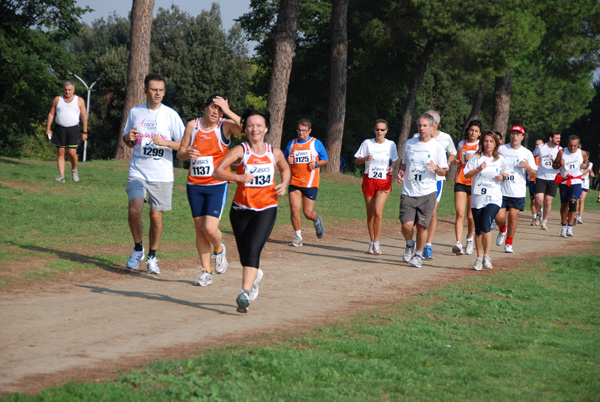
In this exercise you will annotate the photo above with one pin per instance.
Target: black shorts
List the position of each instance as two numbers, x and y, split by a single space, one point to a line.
513 202
462 188
308 192
547 187
65 137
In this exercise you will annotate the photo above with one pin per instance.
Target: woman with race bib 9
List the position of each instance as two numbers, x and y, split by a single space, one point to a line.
205 142
254 207
380 157
488 169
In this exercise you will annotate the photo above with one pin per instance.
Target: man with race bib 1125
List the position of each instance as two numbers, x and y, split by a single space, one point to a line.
154 131
423 159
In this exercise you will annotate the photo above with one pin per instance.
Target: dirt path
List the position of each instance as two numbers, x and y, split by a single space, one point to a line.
87 327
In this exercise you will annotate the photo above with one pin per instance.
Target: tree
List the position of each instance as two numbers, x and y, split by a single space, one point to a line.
139 65
337 92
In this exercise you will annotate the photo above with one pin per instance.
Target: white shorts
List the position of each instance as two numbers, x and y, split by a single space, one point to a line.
158 194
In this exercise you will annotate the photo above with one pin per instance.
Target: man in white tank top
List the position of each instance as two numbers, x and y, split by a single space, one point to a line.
67 109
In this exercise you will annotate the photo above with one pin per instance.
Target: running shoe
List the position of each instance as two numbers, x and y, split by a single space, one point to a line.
508 248
370 250
134 259
493 225
416 261
563 231
152 265
243 302
570 231
532 222
487 262
254 291
478 264
297 242
319 229
204 279
376 248
60 178
544 225
428 253
408 252
457 248
221 260
579 220
575 220
75 174
538 219
500 239
470 246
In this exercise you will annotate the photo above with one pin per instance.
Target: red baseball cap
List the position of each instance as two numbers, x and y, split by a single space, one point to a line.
518 129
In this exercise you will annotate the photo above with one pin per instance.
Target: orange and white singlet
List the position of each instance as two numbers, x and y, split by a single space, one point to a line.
304 153
260 193
465 148
212 149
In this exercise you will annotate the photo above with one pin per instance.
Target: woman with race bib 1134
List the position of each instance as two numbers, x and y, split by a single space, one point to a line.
488 169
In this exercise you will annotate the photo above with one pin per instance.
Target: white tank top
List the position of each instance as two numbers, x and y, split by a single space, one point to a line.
67 114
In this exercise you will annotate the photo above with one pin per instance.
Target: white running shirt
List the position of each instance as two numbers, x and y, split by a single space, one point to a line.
447 143
383 155
547 155
485 189
419 181
586 178
151 162
572 165
516 185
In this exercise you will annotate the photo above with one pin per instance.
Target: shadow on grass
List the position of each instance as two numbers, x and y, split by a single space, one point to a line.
161 298
13 162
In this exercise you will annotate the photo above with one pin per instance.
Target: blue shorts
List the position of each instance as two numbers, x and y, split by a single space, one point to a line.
484 217
308 192
567 193
531 185
207 200
440 188
513 202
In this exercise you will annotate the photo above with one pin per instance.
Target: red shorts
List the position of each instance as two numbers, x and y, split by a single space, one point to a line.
371 186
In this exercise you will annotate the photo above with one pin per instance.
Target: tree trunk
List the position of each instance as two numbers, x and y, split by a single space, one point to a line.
338 83
475 109
411 98
139 65
502 105
285 38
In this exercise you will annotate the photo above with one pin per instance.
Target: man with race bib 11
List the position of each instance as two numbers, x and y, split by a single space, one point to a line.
154 131
423 159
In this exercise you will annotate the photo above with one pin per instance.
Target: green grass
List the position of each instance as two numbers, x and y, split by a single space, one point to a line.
528 334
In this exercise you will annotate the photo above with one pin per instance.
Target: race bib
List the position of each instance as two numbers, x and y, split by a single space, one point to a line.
263 175
148 149
547 162
378 169
202 166
302 156
486 182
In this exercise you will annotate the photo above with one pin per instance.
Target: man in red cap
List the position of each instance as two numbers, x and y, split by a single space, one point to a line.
520 163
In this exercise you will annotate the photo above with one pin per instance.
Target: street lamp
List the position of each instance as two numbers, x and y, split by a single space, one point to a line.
87 110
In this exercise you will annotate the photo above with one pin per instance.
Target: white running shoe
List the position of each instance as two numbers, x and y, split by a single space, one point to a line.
470 246
570 231
60 178
297 242
408 252
508 248
538 219
500 239
75 174
416 261
370 250
457 248
152 265
221 260
487 262
254 291
563 231
242 302
319 229
544 225
204 279
478 264
494 225
134 259
376 248
579 220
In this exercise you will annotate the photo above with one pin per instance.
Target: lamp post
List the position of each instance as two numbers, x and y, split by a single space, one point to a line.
87 110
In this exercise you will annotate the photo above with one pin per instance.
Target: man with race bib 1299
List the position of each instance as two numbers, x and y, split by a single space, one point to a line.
423 159
520 163
154 131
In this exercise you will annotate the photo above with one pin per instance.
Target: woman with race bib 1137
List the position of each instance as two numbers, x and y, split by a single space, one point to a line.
488 169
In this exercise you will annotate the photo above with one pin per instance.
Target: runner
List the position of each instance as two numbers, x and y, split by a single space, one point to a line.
545 188
423 159
571 162
462 188
520 163
536 216
254 206
380 157
445 140
305 155
205 142
488 169
154 131
585 188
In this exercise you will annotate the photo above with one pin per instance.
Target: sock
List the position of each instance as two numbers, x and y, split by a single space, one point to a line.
502 228
410 243
73 170
151 253
469 239
545 221
219 250
207 269
298 233
138 246
509 241
419 253
427 244
246 292
570 226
